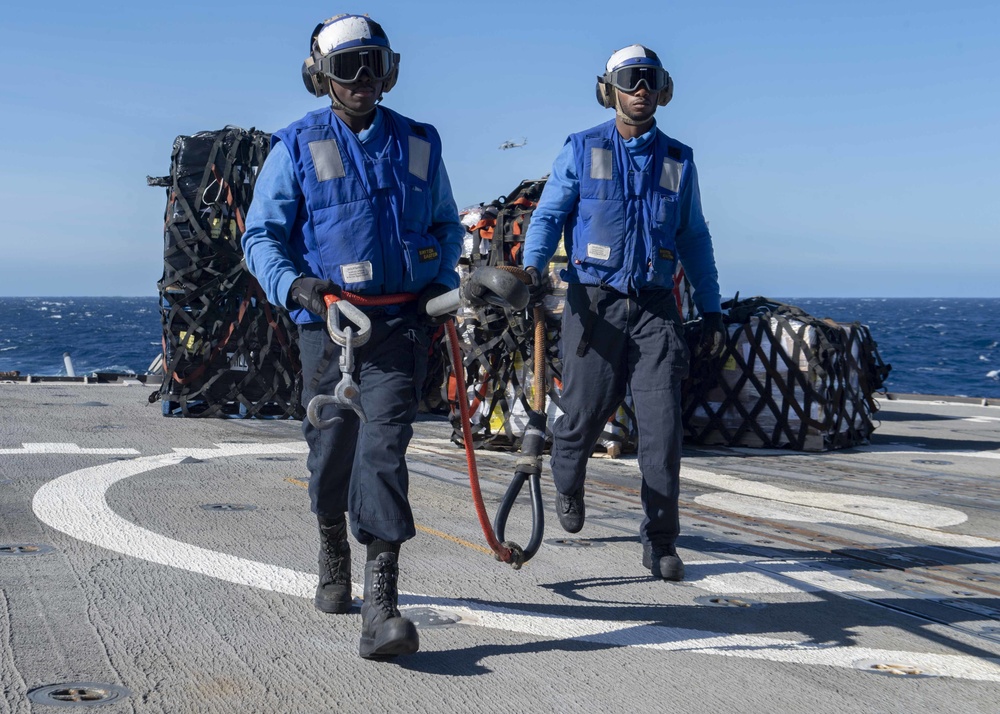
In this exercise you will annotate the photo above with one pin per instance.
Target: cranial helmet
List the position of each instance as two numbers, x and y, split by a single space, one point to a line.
627 69
343 47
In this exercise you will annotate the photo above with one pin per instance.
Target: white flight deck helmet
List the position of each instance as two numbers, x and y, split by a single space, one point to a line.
343 47
627 69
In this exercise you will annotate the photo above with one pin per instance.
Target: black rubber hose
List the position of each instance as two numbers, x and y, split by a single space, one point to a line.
537 512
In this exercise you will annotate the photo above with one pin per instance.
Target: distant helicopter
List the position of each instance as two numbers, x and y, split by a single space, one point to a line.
510 144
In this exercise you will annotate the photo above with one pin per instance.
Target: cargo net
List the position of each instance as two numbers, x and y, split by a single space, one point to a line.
498 345
226 351
786 380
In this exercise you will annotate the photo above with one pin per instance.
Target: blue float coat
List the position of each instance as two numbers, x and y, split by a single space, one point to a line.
560 202
272 243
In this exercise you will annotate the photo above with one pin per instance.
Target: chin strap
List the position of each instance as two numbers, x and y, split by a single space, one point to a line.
347 110
618 111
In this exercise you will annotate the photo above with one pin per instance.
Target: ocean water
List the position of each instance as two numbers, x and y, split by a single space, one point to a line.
942 346
102 334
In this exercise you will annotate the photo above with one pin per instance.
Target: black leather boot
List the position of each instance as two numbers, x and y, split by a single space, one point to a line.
572 511
333 594
663 562
384 632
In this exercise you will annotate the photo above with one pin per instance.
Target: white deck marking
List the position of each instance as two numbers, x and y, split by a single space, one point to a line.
935 453
64 448
753 507
909 518
891 449
893 510
754 576
75 504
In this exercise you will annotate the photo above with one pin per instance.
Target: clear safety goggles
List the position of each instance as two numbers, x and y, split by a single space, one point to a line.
628 79
346 66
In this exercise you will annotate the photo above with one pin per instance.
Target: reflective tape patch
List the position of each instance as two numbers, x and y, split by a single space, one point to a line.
598 251
420 157
601 163
356 272
326 159
670 177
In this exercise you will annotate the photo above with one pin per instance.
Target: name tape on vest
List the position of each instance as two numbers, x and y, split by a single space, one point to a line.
598 251
356 272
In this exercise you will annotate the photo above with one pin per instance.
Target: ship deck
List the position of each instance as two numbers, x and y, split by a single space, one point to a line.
168 565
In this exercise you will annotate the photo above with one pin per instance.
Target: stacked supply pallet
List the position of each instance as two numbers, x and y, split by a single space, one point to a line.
786 380
226 351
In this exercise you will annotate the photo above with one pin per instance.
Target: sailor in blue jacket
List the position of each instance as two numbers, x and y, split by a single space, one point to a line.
624 197
356 197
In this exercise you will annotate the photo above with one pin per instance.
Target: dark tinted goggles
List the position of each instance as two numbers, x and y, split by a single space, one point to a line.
346 67
628 79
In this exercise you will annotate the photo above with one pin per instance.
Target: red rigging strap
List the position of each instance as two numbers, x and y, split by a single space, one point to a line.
370 300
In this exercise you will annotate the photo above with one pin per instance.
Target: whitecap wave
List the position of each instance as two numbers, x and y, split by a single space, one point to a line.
994 374
116 369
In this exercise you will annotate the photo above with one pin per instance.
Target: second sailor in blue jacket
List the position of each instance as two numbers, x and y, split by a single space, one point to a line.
624 197
356 197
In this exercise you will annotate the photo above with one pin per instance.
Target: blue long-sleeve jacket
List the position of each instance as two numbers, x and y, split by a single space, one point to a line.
279 202
561 198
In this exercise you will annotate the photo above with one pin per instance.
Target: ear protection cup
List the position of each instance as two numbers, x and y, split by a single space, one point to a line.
316 84
667 94
604 96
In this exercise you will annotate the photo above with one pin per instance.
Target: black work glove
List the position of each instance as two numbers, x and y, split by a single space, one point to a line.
426 295
538 287
713 339
310 292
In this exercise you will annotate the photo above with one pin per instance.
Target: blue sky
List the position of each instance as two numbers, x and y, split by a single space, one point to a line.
848 149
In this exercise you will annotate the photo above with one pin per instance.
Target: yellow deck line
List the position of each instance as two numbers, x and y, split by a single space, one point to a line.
423 529
454 539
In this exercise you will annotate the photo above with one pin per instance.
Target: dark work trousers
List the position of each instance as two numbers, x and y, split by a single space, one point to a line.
361 467
637 342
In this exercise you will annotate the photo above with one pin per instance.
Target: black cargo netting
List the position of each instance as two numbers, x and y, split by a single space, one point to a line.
786 380
227 352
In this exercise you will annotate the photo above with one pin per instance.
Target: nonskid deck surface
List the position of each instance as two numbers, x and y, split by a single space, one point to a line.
175 559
